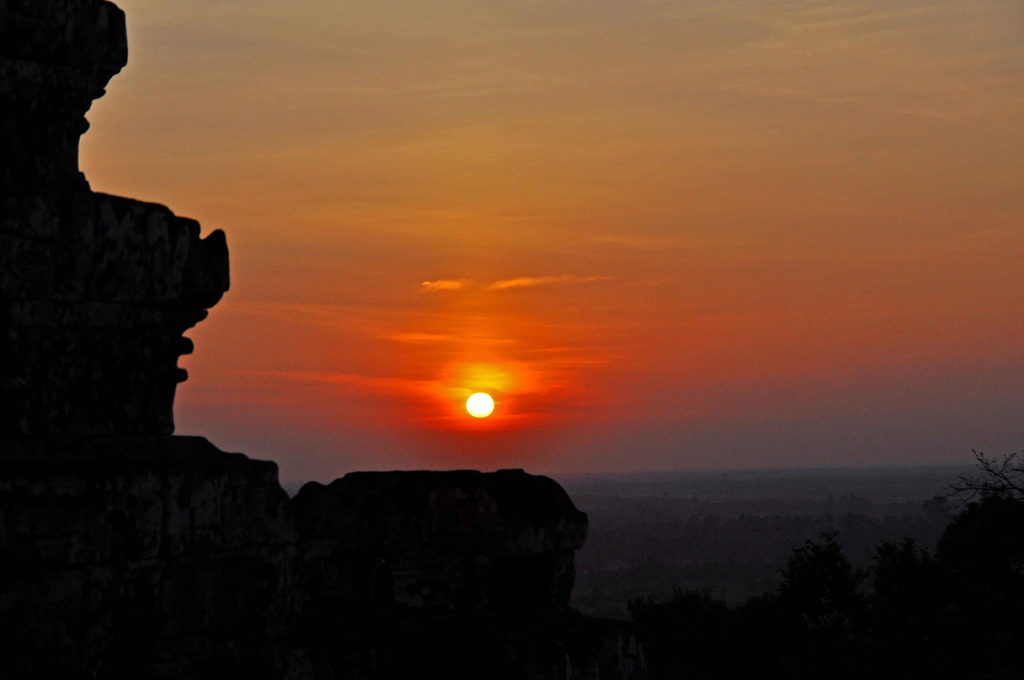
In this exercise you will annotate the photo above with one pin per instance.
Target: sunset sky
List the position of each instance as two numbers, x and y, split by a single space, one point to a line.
661 234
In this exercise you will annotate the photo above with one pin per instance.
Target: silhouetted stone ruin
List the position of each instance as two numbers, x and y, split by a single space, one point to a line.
97 290
129 553
454 541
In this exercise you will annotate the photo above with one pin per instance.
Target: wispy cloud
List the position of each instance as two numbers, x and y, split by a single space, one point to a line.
388 384
531 281
639 242
421 338
442 284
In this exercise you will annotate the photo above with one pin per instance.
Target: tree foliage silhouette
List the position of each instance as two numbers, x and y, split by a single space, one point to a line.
957 613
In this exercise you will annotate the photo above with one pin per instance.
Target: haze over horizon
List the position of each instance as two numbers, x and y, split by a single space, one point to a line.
663 235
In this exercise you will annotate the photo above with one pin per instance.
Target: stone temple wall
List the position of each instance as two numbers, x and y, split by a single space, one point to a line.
126 552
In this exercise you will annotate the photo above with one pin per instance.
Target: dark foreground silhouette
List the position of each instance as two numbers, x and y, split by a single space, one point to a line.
957 613
127 553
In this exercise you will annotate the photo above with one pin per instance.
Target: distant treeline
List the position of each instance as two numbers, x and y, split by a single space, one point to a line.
955 612
643 546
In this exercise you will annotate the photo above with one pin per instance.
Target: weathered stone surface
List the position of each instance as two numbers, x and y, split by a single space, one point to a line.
96 291
562 645
147 558
458 541
95 294
503 513
56 57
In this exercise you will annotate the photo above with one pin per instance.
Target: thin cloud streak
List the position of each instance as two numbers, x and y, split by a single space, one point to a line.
387 384
422 338
532 281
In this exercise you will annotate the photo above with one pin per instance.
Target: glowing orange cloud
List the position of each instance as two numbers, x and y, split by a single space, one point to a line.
435 286
531 281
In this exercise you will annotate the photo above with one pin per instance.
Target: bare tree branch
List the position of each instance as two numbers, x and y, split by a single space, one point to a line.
998 477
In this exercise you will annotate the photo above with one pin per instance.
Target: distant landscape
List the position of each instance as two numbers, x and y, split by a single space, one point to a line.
732 532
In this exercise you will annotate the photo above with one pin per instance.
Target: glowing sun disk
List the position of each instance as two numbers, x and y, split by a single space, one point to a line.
480 405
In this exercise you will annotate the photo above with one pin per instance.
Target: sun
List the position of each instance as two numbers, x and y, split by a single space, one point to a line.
480 405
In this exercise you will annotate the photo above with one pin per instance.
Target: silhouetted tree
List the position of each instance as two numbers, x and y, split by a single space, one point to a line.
820 597
689 634
905 582
821 586
957 613
910 613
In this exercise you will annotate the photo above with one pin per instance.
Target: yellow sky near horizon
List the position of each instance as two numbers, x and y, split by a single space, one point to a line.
679 234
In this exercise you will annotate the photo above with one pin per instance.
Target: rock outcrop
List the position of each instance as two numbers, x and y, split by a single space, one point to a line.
448 574
163 557
147 558
126 552
445 541
95 291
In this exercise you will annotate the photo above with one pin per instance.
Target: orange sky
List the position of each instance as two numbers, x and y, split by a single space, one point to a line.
664 235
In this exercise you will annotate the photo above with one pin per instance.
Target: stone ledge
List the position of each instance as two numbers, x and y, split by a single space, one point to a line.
508 512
